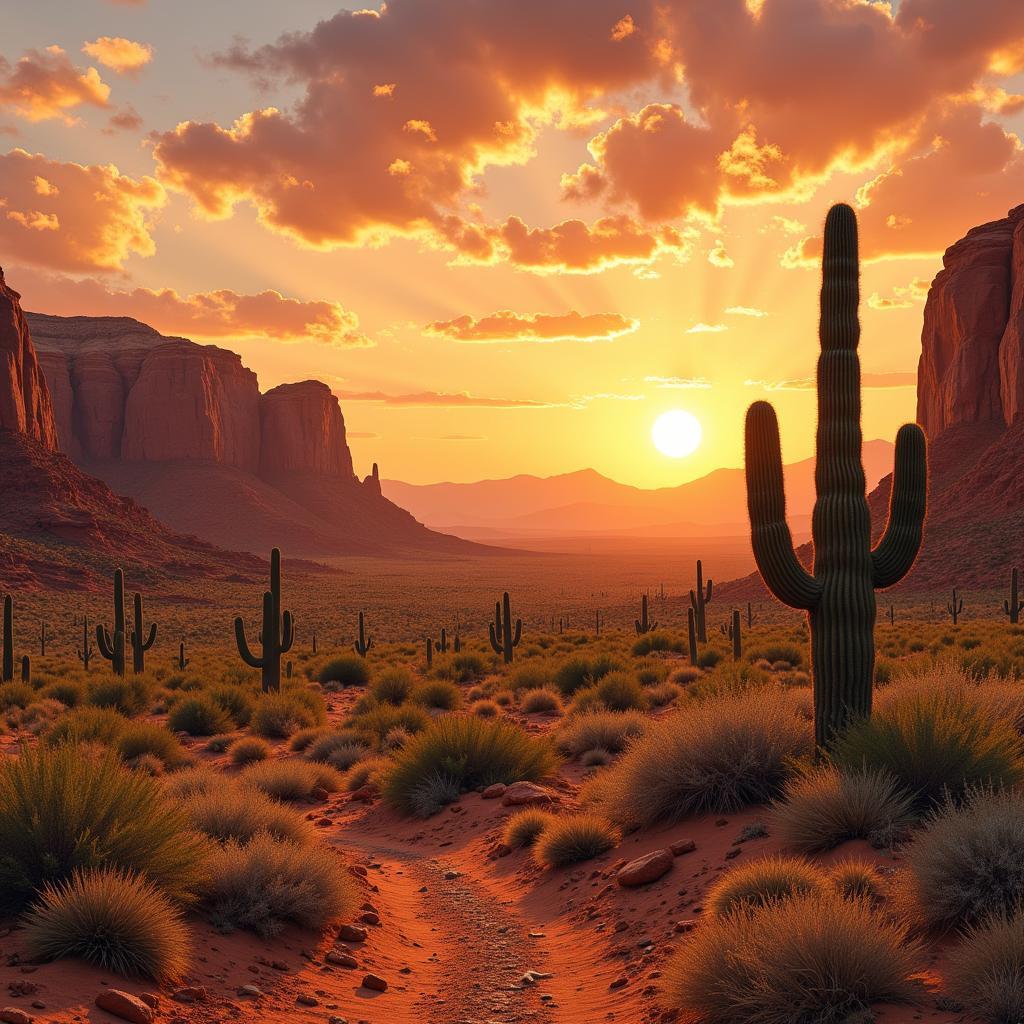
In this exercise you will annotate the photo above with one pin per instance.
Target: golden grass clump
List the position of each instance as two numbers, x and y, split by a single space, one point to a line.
762 881
570 838
248 749
233 812
986 969
290 780
524 827
857 879
609 730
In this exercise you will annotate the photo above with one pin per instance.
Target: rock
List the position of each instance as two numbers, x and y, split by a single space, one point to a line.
126 1006
12 1015
307 1000
620 982
303 431
370 917
25 404
494 791
521 794
365 794
352 933
681 846
340 959
192 994
250 990
648 868
375 983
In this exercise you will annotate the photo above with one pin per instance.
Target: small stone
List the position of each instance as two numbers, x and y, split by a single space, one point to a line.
645 869
307 1000
319 794
494 791
250 990
125 1005
340 959
369 918
685 926
681 846
452 875
352 933
733 853
521 794
192 994
620 982
375 982
12 1015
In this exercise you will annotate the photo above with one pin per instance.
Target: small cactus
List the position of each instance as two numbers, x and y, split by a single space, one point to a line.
955 607
503 638
643 624
700 598
734 635
45 636
751 617
892 615
140 646
1013 607
597 622
26 669
288 669
363 642
8 656
85 652
441 646
276 634
111 643
182 661
430 651
314 641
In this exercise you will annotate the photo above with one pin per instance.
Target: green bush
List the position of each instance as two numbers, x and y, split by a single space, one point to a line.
466 667
572 675
67 691
378 721
234 700
392 686
857 880
16 695
650 642
524 827
540 701
198 716
610 730
986 970
141 738
290 780
619 691
112 919
774 653
229 812
438 694
762 881
345 670
87 725
471 751
130 695
278 715
248 750
63 808
570 838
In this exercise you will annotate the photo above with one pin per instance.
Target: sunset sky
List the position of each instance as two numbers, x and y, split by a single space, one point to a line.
510 234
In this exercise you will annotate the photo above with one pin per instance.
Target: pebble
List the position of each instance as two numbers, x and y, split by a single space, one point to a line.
125 1006
375 982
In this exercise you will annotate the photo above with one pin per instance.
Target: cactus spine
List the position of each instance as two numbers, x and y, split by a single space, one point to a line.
140 646
8 657
954 608
277 633
363 642
111 644
839 596
503 638
85 651
1013 607
643 624
700 599
691 635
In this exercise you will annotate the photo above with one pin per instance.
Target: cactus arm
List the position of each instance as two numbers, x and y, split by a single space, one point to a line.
494 640
104 643
772 542
518 634
288 632
151 638
895 552
243 647
636 623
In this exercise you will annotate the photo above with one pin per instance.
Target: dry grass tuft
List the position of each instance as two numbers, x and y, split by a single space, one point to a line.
763 881
570 838
525 827
986 971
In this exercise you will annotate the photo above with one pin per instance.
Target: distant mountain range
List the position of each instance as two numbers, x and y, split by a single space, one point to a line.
520 509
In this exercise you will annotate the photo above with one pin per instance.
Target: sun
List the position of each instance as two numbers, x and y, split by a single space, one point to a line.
676 433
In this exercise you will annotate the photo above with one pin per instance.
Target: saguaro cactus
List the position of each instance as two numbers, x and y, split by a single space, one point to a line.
276 634
1013 607
140 646
111 644
85 651
700 599
955 607
26 669
430 651
734 635
441 646
597 622
503 638
45 636
8 655
643 624
363 642
839 596
182 661
751 617
691 635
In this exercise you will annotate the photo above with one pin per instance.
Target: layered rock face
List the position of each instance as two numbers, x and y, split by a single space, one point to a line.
972 344
303 431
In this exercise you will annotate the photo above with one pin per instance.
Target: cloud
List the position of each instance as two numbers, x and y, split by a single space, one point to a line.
678 383
903 296
745 311
82 218
868 381
507 326
214 314
125 56
450 400
718 257
125 120
44 84
703 328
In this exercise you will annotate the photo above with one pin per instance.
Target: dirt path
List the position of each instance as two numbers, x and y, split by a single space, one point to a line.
462 956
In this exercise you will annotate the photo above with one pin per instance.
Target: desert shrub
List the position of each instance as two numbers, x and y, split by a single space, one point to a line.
238 813
128 694
813 959
16 695
485 709
189 781
141 738
572 675
655 642
933 741
966 862
685 675
65 808
379 721
234 700
67 691
431 794
302 739
857 879
986 970
610 730
368 772
708 658
662 693
198 716
598 757
822 808
266 884
570 838
218 744
87 725
619 691
395 738
345 670
346 742
717 756
248 749
791 655
524 827
392 686
761 881
110 918
472 752
290 780
586 701
540 701
465 667
651 674
529 677
439 694
278 715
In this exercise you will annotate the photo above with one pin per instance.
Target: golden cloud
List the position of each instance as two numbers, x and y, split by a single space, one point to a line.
125 56
507 326
44 84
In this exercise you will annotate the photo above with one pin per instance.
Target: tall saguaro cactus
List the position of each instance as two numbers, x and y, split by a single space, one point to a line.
140 646
643 624
700 598
8 652
111 643
276 634
503 638
955 607
1013 607
86 650
691 636
839 594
